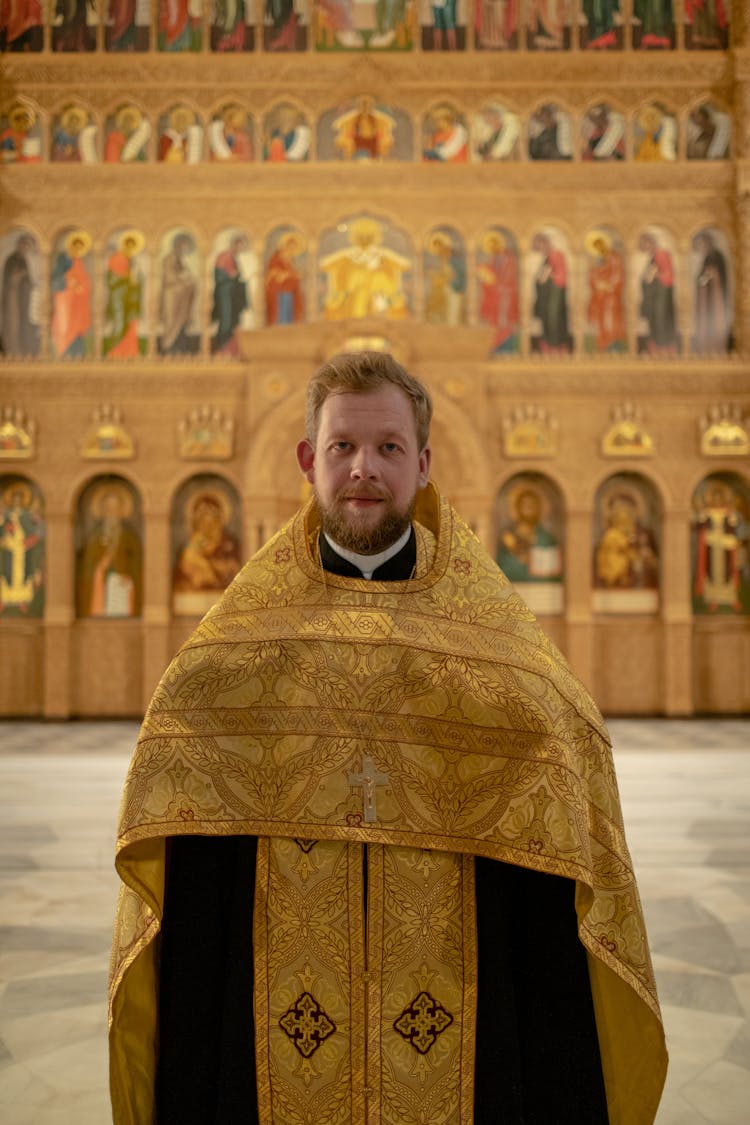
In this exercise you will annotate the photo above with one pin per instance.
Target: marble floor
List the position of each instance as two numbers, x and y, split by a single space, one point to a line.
686 794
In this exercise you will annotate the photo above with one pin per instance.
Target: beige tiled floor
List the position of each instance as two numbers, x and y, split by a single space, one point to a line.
686 794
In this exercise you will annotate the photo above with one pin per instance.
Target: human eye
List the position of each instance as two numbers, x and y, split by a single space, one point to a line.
391 447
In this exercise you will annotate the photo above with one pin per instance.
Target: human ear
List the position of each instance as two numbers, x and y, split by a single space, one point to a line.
425 460
306 460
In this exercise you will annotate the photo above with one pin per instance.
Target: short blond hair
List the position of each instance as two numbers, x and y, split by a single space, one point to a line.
358 373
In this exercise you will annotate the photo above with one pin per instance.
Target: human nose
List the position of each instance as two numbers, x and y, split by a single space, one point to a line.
364 464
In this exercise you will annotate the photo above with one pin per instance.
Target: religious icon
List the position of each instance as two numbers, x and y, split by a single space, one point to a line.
285 25
286 135
497 277
530 535
550 332
721 545
125 334
443 25
709 131
232 304
627 520
550 134
206 543
22 548
74 25
21 26
366 270
602 29
655 134
180 26
126 135
496 25
179 271
364 131
109 554
605 312
348 25
20 262
445 277
127 25
230 134
603 133
445 137
233 25
713 293
548 25
180 136
653 25
286 265
74 137
707 24
71 331
20 135
495 133
654 274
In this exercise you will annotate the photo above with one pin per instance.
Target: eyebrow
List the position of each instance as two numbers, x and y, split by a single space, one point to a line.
385 435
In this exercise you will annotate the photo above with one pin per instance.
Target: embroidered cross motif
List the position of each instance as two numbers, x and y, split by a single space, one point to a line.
369 777
423 1022
306 1024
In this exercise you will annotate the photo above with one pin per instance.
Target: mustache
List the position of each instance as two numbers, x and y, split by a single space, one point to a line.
363 492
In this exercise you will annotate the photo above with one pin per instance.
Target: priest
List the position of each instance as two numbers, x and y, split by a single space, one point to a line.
372 855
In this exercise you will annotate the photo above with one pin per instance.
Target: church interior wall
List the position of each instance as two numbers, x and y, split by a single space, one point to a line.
598 428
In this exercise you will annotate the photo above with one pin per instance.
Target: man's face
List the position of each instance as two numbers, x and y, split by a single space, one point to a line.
366 467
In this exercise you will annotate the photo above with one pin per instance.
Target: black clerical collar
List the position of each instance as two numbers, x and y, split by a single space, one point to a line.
395 569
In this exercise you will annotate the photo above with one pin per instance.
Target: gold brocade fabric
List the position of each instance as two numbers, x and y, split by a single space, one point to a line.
427 714
364 1020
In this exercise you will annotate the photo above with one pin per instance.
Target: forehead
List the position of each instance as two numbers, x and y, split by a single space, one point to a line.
387 408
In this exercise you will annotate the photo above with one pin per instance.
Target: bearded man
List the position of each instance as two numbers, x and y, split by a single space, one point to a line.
374 865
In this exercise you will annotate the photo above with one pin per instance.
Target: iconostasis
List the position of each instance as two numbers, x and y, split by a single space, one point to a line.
541 206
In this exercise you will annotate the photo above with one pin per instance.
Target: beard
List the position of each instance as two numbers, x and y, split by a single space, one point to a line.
343 527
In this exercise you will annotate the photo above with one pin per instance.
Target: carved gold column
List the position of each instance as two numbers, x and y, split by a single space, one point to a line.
579 627
742 181
677 617
742 204
157 597
58 617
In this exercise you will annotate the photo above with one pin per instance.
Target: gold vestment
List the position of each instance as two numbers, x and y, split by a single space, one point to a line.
432 720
